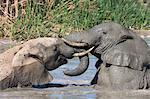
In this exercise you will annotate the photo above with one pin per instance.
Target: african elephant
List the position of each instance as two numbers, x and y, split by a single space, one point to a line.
29 63
123 56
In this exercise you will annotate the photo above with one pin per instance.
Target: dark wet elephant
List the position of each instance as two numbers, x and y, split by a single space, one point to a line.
123 56
28 64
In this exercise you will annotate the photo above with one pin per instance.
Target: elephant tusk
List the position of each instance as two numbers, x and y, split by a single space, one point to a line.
83 53
75 44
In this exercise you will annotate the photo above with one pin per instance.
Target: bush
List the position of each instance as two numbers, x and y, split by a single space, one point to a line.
65 16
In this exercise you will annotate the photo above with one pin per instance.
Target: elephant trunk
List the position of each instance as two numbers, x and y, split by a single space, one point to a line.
75 44
81 68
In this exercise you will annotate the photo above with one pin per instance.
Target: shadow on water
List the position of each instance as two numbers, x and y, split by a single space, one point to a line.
65 87
51 85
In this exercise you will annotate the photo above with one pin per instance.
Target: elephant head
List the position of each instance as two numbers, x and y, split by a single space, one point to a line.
50 52
122 47
32 61
113 44
29 63
48 55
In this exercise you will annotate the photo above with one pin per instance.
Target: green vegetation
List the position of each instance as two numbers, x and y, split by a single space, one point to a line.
64 16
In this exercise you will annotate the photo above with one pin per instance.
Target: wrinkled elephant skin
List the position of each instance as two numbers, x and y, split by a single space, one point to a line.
28 63
123 56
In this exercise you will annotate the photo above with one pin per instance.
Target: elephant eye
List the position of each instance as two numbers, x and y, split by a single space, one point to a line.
54 48
104 32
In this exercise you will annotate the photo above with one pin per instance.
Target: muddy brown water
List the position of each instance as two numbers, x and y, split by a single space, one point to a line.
65 87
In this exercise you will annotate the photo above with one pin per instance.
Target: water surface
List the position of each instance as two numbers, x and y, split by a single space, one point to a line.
65 87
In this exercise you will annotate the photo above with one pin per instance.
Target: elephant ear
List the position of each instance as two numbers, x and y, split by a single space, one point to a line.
43 53
37 52
125 59
28 66
125 35
26 52
125 53
32 71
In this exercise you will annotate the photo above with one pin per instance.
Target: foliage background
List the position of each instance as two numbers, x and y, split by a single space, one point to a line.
61 17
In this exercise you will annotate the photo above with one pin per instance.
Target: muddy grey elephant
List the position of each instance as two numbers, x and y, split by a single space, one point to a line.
28 64
123 56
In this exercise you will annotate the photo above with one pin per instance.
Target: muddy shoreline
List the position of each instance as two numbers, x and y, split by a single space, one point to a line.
143 33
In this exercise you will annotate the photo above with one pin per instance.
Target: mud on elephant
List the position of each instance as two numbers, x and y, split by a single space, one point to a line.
28 64
123 56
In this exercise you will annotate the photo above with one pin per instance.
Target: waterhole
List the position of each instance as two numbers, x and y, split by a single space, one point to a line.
65 87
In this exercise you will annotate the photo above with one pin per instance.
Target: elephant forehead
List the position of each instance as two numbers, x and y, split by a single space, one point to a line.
45 41
77 36
109 26
25 62
114 30
21 57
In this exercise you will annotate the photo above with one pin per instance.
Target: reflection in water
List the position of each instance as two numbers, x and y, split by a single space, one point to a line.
132 94
70 92
27 97
112 96
75 93
65 87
